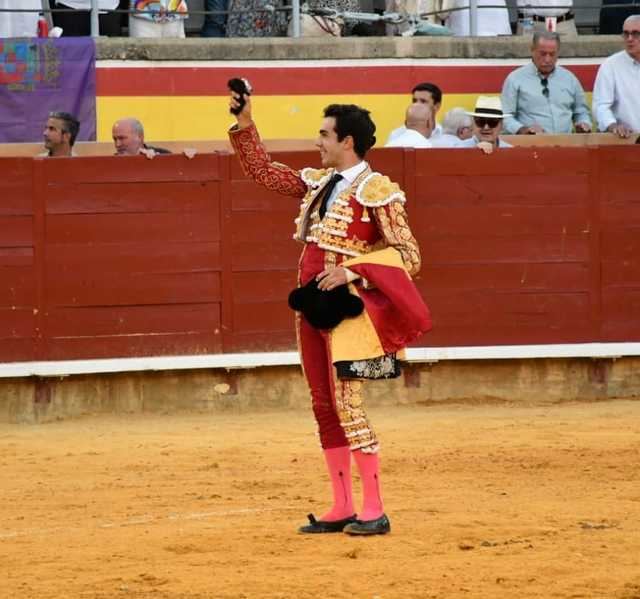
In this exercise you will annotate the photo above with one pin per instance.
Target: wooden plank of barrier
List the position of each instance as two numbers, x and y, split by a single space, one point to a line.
109 257
133 256
619 193
18 291
507 234
301 145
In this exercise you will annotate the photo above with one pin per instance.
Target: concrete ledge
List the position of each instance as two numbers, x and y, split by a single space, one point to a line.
243 49
246 360
530 382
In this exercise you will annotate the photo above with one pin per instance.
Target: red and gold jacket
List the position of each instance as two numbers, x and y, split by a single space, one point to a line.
366 224
366 217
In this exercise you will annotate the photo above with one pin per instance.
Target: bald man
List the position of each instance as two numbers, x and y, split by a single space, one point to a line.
128 139
419 123
617 87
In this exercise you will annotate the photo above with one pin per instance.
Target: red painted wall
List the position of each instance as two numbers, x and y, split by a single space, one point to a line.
113 256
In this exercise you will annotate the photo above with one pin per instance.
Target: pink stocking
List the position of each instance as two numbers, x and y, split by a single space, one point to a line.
339 465
369 468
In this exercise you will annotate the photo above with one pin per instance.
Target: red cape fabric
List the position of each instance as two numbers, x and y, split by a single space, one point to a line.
395 306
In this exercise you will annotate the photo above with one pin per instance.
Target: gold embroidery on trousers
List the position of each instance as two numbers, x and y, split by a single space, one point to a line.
353 418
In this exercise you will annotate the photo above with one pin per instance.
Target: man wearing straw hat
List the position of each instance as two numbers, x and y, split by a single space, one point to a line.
487 125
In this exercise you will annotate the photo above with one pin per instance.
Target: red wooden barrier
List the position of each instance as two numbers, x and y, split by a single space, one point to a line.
114 256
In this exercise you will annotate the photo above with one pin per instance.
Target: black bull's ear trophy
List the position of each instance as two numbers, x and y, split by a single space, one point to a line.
325 309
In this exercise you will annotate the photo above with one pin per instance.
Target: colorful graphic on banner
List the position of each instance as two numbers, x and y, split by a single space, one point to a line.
38 76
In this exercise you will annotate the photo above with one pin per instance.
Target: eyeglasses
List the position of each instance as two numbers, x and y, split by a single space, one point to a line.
483 122
631 34
545 87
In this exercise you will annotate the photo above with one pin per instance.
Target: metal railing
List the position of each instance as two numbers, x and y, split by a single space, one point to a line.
296 11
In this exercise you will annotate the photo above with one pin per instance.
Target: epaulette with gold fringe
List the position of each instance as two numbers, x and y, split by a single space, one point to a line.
315 177
378 190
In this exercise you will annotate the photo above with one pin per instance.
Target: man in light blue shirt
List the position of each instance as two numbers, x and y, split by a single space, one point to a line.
543 97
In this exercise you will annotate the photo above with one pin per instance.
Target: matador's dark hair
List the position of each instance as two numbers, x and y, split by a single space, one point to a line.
356 122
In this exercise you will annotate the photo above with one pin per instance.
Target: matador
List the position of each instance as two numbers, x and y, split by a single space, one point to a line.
354 230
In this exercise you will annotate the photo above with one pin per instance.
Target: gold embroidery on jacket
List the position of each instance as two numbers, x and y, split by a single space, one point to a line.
394 227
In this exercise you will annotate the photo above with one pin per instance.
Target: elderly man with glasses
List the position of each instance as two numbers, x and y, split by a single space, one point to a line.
487 126
616 94
542 96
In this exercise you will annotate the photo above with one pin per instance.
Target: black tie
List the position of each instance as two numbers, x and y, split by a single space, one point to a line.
327 193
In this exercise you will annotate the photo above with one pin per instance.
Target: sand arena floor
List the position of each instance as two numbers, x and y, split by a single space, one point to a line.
485 501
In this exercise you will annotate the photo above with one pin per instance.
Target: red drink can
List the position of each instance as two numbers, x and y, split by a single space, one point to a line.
43 27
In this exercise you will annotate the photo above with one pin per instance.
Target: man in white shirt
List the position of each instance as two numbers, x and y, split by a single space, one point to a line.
548 15
424 93
457 126
19 24
616 93
418 128
493 20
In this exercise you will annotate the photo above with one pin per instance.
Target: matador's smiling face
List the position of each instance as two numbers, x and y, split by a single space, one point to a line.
332 151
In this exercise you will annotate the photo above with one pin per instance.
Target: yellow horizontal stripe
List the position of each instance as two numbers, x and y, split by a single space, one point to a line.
174 118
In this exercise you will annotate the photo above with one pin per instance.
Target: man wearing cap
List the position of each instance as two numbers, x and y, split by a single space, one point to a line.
548 15
487 125
542 96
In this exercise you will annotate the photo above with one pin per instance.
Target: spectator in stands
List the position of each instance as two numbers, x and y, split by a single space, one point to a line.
491 21
561 18
128 139
418 128
157 18
215 25
613 14
408 8
19 24
78 22
60 134
616 94
542 96
457 126
424 93
256 18
487 126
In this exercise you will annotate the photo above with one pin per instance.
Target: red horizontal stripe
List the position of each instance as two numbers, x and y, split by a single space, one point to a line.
202 81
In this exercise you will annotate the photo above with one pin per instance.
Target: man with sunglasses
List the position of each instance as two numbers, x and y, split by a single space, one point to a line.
616 94
487 125
542 96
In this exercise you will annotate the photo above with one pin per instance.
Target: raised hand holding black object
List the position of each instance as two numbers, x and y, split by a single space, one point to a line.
241 87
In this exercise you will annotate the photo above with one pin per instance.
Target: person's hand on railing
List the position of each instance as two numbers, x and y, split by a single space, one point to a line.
534 129
619 129
583 128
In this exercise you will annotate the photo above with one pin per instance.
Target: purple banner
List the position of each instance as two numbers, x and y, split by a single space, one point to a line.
38 76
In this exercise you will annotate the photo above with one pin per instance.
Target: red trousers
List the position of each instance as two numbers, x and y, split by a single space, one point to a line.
337 405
